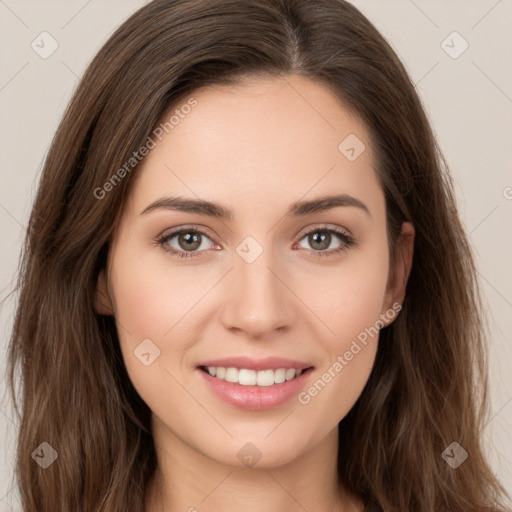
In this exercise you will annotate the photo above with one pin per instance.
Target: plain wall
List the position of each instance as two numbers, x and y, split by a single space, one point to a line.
468 100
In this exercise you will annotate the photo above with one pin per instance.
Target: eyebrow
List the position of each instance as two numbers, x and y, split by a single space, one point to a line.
297 209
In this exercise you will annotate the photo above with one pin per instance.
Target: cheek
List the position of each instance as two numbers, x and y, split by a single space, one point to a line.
150 296
350 305
148 305
349 297
338 384
350 355
154 301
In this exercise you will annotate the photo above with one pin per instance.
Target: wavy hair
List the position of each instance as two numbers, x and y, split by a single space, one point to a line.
428 386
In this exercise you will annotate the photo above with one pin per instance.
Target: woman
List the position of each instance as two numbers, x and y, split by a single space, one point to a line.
205 352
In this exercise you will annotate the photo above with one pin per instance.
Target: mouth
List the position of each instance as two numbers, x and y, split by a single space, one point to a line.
255 385
257 378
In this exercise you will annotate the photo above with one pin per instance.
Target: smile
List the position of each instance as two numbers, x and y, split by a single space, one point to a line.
247 377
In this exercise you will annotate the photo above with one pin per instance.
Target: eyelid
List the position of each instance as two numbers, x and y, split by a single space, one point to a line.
323 226
187 227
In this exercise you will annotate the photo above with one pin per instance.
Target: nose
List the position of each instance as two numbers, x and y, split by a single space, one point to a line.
258 300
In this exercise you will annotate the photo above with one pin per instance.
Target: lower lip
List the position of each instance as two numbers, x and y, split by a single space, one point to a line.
255 398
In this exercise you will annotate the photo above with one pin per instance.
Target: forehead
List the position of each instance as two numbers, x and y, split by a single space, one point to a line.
270 140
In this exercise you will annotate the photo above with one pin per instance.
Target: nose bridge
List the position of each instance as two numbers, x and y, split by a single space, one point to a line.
257 300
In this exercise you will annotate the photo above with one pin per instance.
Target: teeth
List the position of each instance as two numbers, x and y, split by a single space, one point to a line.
231 375
267 378
280 376
247 377
252 377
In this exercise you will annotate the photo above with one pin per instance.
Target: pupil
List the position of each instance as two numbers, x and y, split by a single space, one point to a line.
323 237
192 240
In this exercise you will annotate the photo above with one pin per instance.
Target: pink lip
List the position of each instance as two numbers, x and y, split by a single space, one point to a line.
266 363
255 398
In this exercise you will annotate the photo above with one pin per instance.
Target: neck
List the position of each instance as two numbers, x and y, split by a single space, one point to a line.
189 481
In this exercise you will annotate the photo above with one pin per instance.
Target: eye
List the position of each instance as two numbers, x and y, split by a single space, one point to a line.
188 241
322 237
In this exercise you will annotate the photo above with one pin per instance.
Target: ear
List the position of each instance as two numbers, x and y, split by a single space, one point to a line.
102 301
399 271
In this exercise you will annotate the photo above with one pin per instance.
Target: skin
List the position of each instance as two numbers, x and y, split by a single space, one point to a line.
255 148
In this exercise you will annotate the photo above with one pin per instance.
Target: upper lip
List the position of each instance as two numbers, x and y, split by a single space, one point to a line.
265 363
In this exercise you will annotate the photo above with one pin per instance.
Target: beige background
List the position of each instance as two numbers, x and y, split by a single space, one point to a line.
468 99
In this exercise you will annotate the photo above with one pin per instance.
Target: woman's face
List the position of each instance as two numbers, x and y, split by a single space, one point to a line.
271 279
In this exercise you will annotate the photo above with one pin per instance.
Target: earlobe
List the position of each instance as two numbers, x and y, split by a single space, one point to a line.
102 302
399 274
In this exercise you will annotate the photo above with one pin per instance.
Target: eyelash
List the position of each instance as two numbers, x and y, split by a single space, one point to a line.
347 242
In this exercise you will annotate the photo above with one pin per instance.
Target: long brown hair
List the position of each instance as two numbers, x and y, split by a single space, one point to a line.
428 387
